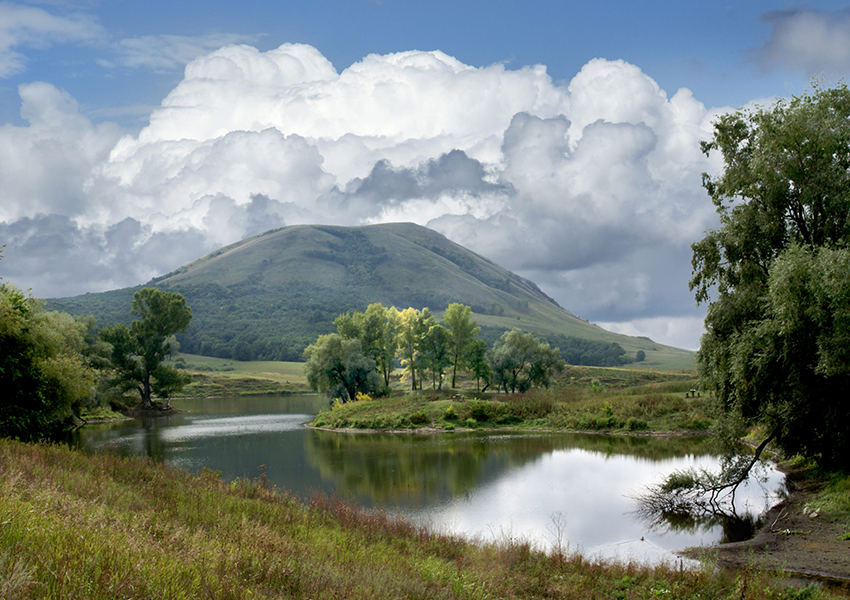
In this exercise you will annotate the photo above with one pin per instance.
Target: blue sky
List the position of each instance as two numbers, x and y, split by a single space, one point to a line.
709 48
135 137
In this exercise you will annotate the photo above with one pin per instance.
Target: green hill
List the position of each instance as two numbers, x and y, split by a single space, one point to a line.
267 297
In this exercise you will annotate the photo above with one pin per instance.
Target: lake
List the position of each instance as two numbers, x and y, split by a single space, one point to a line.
574 491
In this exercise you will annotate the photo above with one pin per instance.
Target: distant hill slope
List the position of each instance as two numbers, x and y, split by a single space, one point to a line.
269 296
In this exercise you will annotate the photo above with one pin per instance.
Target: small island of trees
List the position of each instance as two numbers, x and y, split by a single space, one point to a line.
360 357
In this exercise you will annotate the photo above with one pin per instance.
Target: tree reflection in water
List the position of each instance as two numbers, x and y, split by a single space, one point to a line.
417 468
680 505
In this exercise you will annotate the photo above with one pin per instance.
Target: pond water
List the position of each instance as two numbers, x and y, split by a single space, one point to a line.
569 490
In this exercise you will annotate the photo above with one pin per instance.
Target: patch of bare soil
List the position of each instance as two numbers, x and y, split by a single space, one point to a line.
792 541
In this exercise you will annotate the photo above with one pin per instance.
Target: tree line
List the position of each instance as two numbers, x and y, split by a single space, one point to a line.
368 346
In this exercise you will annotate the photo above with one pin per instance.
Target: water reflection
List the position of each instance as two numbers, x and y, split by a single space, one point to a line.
736 520
418 468
565 489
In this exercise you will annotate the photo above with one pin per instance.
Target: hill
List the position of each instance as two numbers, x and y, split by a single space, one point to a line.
269 296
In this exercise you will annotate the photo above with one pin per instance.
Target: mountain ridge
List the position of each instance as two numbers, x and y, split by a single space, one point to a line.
270 295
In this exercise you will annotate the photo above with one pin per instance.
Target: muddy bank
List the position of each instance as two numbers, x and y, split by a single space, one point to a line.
792 541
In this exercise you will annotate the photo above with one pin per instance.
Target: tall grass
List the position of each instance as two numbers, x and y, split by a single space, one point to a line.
97 527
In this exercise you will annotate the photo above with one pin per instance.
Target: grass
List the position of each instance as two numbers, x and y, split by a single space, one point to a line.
222 377
76 526
101 413
832 500
585 399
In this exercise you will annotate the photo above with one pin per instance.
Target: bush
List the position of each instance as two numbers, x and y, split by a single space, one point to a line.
480 411
419 418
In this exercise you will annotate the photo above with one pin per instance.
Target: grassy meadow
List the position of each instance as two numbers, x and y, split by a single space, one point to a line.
583 399
224 377
76 526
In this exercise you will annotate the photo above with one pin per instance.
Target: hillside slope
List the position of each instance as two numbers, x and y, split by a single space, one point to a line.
270 295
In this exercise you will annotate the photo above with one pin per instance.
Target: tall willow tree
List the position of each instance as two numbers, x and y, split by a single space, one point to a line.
775 274
44 377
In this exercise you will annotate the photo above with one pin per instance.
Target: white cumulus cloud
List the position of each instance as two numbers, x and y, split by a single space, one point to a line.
592 189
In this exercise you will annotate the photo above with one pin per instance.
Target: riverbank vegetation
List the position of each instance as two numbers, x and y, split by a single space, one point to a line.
105 526
580 399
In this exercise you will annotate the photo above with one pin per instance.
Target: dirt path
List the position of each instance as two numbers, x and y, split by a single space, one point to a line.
792 541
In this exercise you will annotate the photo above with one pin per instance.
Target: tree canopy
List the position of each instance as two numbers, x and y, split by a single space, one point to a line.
519 360
44 377
462 331
138 351
370 343
775 273
339 366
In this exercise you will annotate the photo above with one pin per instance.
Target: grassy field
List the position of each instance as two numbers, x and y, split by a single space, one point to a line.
222 377
73 526
583 398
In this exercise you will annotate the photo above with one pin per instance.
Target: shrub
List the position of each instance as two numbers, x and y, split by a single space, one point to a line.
419 418
480 411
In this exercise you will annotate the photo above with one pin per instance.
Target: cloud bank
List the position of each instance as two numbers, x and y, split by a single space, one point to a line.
591 189
807 40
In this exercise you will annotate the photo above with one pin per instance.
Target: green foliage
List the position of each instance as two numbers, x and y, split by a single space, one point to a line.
462 332
519 360
776 348
576 350
437 349
44 376
339 367
377 330
412 327
138 351
477 361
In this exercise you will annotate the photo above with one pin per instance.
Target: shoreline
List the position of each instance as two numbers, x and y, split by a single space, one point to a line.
789 541
431 430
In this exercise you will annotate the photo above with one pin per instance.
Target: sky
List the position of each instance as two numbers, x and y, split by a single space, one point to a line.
559 139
